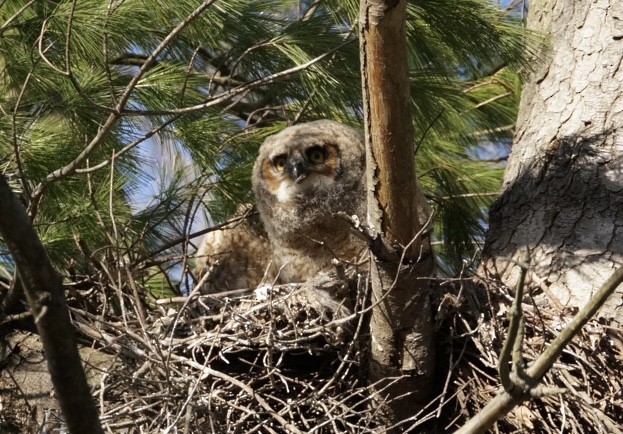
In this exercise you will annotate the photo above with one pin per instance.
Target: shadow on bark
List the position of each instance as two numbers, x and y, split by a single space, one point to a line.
566 205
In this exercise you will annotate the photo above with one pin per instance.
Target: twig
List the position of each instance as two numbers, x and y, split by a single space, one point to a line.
113 117
224 96
209 372
514 338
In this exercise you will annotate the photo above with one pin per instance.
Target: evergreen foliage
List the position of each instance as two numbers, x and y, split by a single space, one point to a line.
104 100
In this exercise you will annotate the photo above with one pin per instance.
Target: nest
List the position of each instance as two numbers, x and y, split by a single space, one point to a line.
289 358
590 369
275 359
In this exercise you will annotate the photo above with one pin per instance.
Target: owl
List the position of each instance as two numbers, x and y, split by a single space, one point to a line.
304 179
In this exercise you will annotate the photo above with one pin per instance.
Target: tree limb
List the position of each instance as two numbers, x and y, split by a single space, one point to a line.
402 336
46 298
505 401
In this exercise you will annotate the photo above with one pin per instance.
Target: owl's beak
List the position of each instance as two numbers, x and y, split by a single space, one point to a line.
298 170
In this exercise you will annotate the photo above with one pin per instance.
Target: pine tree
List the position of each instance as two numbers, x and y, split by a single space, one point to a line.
129 123
105 102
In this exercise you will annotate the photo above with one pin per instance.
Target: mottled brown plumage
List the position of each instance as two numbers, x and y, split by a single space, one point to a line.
235 256
303 177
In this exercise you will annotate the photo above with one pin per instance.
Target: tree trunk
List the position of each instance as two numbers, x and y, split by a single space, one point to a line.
402 337
561 195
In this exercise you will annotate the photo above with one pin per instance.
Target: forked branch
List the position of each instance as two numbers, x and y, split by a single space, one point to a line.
519 386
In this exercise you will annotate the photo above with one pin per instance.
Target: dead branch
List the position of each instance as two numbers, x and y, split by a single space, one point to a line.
511 395
46 298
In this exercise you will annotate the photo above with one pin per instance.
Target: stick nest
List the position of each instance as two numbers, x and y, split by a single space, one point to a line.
590 368
289 358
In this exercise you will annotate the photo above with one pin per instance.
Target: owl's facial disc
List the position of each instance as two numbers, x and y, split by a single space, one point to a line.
301 171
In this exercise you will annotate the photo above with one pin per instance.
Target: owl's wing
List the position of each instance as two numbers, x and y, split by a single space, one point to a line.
236 256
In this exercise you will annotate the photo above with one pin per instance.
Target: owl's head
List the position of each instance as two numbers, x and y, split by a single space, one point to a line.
308 172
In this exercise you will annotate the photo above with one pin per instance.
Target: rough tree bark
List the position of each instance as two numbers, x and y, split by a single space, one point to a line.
402 337
561 194
42 285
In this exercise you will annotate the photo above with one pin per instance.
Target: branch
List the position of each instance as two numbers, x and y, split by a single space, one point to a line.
513 341
549 356
9 21
228 94
401 333
46 298
112 119
505 401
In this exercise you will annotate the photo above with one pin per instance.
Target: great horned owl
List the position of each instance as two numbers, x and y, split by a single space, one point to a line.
303 177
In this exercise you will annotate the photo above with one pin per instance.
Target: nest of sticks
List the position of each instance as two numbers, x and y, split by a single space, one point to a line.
274 359
589 372
290 358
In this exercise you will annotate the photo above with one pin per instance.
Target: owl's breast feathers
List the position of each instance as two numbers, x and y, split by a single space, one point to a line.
302 256
236 256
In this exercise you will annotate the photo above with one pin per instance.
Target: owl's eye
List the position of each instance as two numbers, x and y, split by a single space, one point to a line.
316 155
279 163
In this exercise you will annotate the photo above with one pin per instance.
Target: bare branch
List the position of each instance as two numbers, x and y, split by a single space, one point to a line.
46 298
505 401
